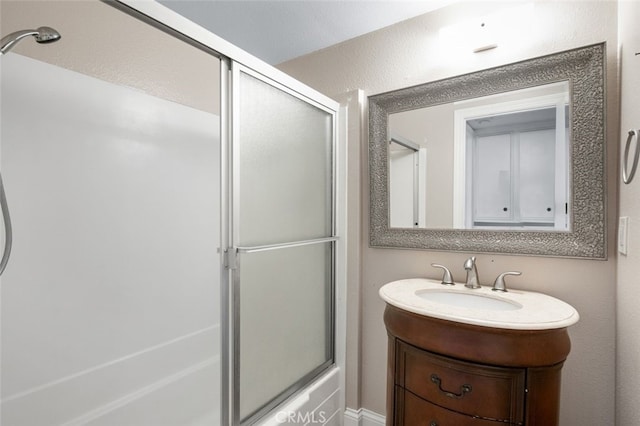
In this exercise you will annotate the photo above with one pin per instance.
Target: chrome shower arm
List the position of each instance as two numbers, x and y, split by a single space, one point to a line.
12 39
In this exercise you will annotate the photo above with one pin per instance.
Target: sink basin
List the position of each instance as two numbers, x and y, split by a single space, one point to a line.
515 309
468 300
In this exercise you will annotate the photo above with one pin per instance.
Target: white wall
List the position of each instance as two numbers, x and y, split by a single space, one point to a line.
420 126
412 53
628 341
401 187
110 303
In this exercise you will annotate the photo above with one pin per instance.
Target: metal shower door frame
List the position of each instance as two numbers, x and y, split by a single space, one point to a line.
233 58
231 187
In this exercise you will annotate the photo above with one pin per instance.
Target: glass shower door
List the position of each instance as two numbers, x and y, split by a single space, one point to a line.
283 237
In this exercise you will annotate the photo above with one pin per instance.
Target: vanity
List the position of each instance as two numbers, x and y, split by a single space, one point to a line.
502 160
460 356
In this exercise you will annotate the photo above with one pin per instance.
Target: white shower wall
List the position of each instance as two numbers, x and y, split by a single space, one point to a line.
110 303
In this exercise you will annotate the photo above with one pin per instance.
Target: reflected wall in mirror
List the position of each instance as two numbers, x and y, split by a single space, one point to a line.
496 162
505 160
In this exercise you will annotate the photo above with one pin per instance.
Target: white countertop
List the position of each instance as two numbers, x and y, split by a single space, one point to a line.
529 311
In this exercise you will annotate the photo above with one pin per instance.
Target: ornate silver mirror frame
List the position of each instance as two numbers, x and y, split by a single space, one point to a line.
584 69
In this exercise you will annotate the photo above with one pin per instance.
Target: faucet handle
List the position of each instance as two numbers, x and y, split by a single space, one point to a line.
499 284
446 276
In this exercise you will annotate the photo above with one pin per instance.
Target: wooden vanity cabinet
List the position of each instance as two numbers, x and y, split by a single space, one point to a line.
444 373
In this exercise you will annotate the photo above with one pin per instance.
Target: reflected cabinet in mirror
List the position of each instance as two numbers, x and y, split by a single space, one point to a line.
505 160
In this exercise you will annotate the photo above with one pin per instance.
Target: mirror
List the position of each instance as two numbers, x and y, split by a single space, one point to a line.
493 162
505 160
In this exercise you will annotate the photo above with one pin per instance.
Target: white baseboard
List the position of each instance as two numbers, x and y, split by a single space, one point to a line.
362 417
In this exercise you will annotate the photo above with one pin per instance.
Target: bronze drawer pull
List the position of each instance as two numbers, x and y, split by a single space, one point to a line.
433 423
464 389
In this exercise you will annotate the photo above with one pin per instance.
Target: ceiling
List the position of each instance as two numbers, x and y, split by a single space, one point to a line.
279 30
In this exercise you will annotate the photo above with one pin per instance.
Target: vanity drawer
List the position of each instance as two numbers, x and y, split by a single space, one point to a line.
488 392
417 412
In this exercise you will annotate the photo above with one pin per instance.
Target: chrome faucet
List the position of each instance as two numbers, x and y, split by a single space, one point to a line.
472 273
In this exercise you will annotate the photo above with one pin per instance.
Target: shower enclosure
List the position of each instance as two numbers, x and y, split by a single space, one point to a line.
176 218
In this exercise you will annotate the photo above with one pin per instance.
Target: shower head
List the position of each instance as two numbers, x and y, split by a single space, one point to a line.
41 35
47 35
